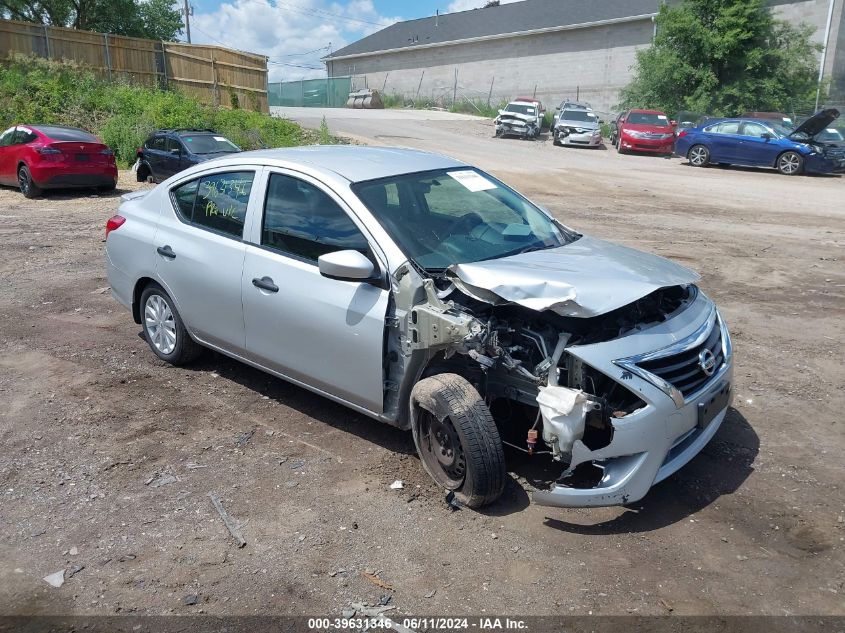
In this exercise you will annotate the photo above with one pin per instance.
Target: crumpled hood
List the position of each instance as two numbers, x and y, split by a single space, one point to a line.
586 278
505 114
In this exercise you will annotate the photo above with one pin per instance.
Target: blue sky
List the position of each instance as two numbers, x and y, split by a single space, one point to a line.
294 34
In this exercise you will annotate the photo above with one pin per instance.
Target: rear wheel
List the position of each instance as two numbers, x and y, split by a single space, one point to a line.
790 163
143 174
28 188
698 156
164 330
457 439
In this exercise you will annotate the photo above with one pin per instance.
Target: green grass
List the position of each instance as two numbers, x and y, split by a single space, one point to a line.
35 90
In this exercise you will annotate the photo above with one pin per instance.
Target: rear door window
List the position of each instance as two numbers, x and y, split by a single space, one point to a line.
216 202
159 144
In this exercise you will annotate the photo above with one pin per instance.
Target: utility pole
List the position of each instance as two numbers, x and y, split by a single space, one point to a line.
187 12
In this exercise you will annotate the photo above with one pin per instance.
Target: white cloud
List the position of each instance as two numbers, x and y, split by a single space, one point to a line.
465 5
288 32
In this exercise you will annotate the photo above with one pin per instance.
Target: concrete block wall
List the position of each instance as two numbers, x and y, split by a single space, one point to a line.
593 61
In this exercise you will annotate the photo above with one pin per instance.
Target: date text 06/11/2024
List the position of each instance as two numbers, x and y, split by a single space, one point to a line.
424 623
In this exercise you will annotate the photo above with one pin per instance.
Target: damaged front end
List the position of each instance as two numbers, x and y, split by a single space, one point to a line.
517 124
623 371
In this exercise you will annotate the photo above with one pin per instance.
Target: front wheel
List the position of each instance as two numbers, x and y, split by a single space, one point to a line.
698 156
790 163
164 330
27 186
457 439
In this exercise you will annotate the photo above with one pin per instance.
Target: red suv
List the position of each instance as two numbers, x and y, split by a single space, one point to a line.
643 131
38 157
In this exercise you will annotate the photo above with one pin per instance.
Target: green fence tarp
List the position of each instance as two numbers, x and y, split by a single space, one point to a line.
315 93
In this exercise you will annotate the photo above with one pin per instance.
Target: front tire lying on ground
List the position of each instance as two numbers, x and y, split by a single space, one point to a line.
164 330
457 439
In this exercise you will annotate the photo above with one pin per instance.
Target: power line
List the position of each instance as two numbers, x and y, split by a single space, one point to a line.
320 13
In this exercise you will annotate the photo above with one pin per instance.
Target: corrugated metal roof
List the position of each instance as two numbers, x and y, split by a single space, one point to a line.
515 17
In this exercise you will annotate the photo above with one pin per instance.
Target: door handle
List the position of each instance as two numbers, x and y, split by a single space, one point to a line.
166 251
265 283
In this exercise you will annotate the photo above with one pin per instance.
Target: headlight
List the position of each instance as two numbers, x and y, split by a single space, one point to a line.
635 133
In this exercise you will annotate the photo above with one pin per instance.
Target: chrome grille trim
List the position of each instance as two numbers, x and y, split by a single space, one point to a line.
669 369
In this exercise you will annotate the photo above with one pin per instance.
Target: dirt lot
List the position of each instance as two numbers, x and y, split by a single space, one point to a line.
91 423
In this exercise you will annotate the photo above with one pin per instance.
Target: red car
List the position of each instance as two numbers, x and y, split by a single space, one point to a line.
38 157
644 131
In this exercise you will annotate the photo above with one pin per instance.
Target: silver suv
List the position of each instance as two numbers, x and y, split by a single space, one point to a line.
429 295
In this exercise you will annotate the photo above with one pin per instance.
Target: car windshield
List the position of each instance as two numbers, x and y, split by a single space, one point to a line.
521 108
456 216
780 130
647 118
830 135
208 144
578 115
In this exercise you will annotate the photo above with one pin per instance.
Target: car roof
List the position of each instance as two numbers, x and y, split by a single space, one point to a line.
352 162
640 111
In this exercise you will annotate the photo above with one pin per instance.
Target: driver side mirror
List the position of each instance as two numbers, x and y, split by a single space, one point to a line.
345 266
767 136
175 151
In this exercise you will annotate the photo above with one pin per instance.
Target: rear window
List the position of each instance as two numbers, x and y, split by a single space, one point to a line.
208 144
67 134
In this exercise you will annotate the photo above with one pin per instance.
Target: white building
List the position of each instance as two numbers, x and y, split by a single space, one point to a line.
552 48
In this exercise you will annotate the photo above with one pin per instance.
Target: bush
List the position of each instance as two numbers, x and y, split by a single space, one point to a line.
35 90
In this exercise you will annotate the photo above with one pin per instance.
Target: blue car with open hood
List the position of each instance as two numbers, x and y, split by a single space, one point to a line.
762 143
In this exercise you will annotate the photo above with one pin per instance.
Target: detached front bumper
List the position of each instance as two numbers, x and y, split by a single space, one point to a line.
655 441
511 129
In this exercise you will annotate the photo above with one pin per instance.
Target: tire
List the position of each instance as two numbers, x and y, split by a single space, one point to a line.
143 174
449 417
107 188
619 148
698 156
27 186
790 163
164 330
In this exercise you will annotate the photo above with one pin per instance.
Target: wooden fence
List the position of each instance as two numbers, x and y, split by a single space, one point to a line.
215 75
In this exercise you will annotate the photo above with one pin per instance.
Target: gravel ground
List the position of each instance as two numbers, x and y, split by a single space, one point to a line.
109 454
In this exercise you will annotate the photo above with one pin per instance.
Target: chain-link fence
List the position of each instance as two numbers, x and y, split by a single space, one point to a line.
314 93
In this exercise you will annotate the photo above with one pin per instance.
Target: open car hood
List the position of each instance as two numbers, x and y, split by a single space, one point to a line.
817 123
585 278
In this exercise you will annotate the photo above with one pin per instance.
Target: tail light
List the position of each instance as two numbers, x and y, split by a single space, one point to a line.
682 134
48 151
107 152
114 223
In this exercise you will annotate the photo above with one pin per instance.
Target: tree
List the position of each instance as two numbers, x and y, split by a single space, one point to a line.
154 19
724 57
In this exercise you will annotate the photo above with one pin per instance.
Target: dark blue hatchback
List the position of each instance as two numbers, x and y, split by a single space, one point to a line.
759 143
167 152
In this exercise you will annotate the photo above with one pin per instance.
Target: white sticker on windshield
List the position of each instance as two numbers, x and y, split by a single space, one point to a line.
472 180
662 117
832 130
219 138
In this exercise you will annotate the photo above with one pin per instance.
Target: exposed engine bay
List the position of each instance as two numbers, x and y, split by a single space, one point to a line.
517 359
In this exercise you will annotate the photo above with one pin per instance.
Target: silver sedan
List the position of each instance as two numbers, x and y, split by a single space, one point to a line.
429 295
